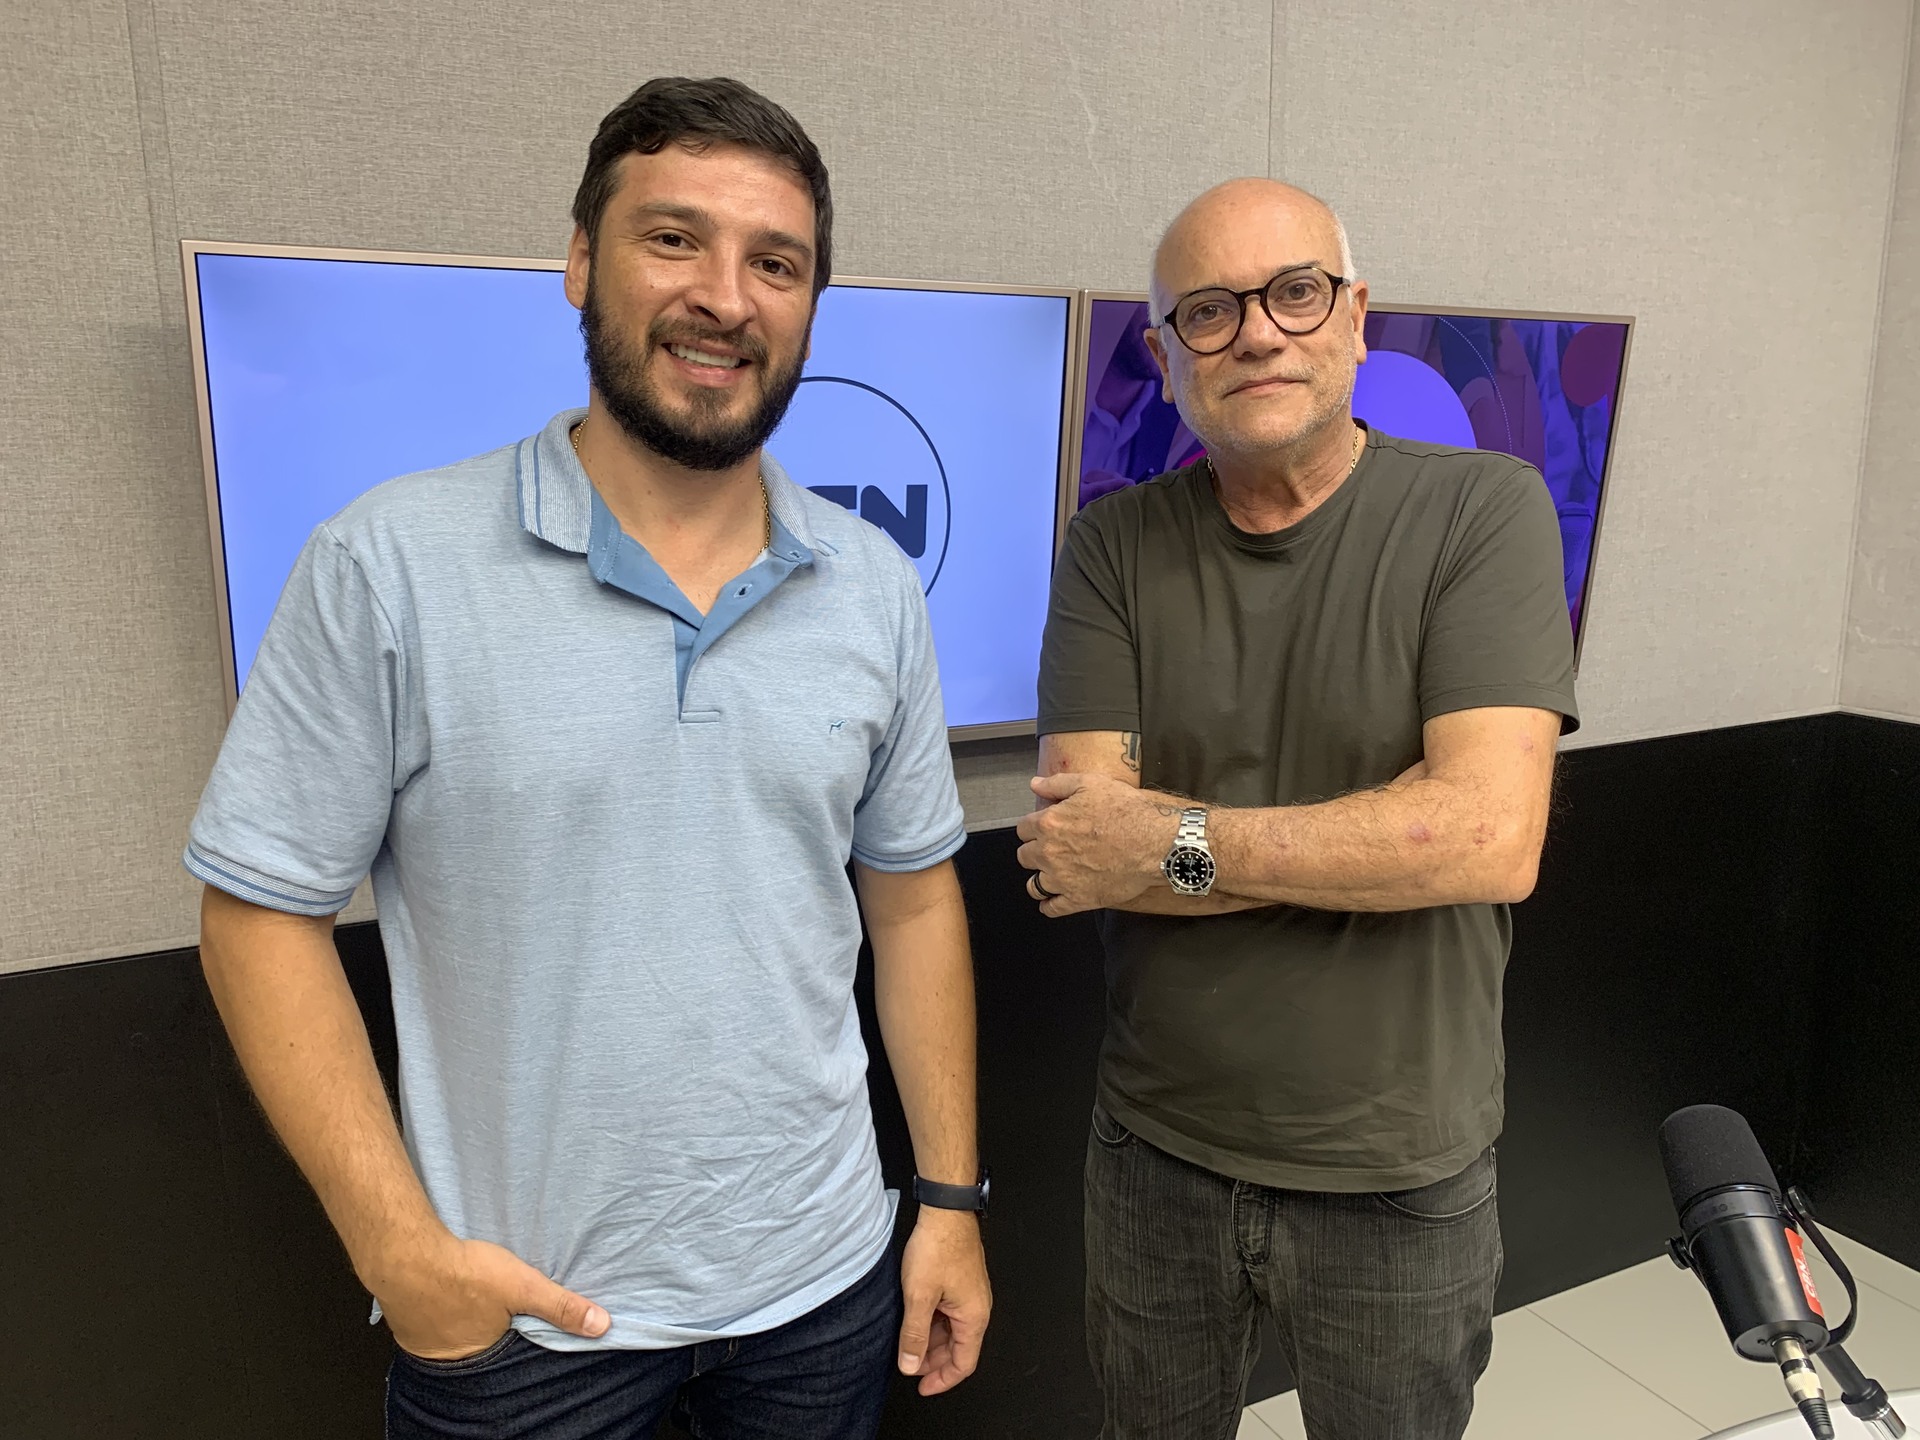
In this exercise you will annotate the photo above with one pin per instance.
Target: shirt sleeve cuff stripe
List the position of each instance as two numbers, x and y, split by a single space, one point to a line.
245 885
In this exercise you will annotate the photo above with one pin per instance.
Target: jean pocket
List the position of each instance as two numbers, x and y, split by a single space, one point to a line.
1454 1198
479 1360
1109 1131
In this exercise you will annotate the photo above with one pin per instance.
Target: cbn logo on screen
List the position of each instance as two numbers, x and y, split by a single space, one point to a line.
854 444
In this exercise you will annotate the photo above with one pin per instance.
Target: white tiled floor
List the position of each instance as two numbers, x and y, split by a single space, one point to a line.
1641 1354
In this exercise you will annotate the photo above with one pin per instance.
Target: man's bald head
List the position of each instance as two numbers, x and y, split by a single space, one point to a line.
1240 219
1266 390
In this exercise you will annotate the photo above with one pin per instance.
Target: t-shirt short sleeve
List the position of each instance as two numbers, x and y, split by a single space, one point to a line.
1089 664
909 816
297 805
1498 632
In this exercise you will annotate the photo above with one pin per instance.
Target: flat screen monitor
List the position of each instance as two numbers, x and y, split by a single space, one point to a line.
941 413
1539 386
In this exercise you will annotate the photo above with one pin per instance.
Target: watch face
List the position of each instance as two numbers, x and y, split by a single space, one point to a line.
1190 870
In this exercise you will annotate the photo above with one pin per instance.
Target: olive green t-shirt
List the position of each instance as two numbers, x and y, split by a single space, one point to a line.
1292 1047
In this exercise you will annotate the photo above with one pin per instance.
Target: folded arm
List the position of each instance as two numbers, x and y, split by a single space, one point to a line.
1115 755
1463 826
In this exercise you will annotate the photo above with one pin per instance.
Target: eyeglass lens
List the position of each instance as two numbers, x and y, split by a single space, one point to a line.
1298 301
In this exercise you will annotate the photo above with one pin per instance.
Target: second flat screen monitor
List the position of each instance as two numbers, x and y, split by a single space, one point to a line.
936 413
1543 388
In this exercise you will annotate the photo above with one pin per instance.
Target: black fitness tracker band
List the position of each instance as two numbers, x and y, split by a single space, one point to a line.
954 1197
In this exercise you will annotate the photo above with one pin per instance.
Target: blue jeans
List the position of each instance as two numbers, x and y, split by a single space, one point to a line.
824 1375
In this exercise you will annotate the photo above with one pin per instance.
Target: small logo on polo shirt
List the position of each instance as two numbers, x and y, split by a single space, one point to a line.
834 728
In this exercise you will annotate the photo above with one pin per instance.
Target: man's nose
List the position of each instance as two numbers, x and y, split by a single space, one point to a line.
1258 335
718 293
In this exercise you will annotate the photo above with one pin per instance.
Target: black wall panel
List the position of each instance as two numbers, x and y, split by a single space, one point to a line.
1861 975
116 1312
1654 967
1724 916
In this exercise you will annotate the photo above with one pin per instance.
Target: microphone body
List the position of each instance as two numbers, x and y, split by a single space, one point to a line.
1735 1235
1754 1269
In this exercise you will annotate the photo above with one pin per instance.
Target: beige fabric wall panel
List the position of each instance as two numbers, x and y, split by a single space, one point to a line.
968 141
1882 667
1720 169
975 140
106 639
1621 158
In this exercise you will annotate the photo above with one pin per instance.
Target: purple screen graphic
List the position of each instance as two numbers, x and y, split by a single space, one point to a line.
1542 390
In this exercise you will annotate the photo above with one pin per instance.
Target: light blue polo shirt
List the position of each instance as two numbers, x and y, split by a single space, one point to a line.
608 838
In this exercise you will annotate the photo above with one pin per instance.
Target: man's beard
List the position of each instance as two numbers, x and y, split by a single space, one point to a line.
701 438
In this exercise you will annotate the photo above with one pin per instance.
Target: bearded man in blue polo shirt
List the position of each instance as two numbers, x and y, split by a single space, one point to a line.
605 714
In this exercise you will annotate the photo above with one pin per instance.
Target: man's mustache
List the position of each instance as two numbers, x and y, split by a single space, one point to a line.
679 332
1244 381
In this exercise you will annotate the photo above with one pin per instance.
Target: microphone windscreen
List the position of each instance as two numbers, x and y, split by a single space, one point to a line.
1709 1147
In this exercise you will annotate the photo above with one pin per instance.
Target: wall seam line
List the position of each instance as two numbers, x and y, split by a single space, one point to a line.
156 150
1873 358
1273 66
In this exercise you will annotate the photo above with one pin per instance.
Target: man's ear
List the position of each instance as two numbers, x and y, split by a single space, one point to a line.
1358 291
579 268
1159 352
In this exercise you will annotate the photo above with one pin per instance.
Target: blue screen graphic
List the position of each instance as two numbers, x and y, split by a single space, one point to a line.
935 414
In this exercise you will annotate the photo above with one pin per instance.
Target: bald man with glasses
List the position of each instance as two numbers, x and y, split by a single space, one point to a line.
1299 704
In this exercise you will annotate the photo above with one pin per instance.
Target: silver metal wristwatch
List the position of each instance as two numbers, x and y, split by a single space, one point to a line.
1189 865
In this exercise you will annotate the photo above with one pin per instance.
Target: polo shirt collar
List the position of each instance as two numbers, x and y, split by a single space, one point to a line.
556 498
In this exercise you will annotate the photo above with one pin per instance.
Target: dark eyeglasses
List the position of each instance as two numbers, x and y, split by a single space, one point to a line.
1298 301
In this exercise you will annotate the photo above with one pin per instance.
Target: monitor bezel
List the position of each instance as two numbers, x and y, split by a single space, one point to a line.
1069 499
1071 386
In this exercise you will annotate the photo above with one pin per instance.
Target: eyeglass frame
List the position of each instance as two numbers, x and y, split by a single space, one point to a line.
1240 298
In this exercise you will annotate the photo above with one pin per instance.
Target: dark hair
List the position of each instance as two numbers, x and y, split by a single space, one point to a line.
696 114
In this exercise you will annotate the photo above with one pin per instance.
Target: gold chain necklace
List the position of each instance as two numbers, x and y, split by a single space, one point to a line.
766 501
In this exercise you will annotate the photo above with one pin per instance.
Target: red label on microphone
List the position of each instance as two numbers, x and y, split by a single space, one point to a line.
1806 1275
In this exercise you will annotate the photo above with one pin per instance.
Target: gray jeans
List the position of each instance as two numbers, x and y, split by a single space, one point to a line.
1383 1302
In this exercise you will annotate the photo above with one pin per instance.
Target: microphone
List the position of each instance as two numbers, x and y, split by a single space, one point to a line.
1736 1237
